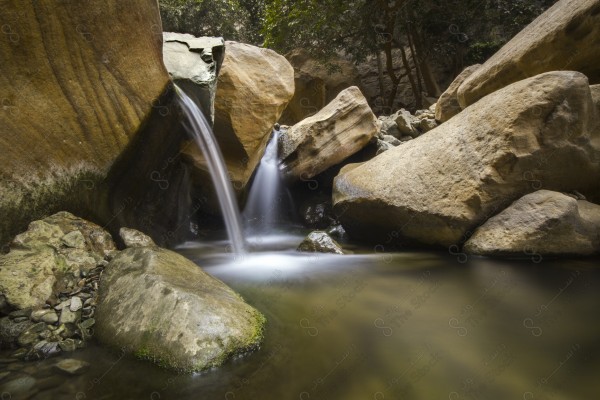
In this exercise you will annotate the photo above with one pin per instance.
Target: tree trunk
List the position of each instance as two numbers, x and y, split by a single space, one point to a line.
411 79
431 86
386 109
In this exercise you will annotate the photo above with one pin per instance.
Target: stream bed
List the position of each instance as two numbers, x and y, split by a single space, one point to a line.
377 326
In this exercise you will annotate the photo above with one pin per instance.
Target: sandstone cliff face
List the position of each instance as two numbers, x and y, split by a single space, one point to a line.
75 90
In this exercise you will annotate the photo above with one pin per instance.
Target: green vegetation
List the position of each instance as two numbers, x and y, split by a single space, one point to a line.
457 33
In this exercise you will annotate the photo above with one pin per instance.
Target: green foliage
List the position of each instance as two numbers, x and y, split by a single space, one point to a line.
232 19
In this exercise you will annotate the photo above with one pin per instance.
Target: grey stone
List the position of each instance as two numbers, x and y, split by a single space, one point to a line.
45 349
88 323
193 63
31 334
162 307
67 316
392 140
71 366
427 124
135 238
320 242
67 345
46 315
76 304
383 146
10 331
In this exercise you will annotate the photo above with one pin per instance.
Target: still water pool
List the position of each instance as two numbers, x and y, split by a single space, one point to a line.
380 326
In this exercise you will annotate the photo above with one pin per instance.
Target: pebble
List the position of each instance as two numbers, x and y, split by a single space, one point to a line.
88 323
47 316
63 304
20 319
76 304
72 366
46 349
67 316
67 345
20 313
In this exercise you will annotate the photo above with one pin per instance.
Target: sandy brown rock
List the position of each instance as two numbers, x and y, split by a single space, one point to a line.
339 130
537 133
447 105
544 223
253 88
78 79
565 37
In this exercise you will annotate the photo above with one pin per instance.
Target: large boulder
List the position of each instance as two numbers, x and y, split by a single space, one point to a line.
536 133
160 306
565 37
316 84
447 105
75 90
193 64
339 130
543 222
253 88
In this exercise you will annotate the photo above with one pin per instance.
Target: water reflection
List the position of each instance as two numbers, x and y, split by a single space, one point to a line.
401 326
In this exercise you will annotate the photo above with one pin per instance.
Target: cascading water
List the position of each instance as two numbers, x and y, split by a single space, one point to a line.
264 200
202 134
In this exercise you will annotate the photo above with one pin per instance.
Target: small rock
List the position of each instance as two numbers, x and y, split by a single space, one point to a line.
74 239
391 140
4 375
20 353
427 124
31 335
45 349
67 345
337 230
383 147
63 304
20 313
20 319
321 242
88 323
69 317
404 122
76 304
47 316
72 366
134 238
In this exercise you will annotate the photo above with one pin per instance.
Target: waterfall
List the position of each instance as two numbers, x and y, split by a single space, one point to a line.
263 206
202 134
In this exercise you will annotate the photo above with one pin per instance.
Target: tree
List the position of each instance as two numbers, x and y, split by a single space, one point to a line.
232 19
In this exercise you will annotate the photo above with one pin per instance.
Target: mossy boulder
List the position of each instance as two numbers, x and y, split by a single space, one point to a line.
162 307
